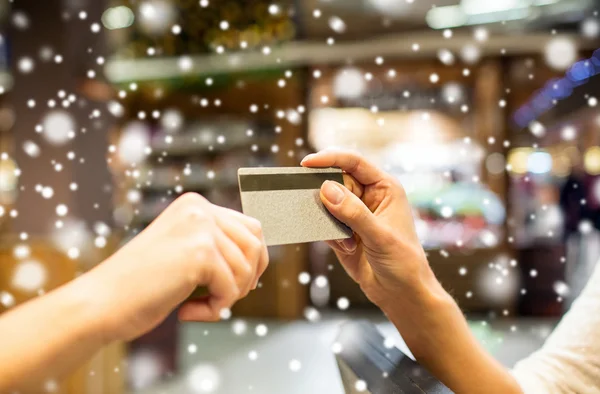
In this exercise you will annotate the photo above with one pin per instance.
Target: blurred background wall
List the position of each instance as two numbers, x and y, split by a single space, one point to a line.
486 111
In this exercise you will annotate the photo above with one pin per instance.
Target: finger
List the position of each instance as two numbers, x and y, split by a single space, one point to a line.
246 242
234 257
354 186
355 265
337 248
350 162
197 310
218 277
345 246
349 209
176 207
262 265
255 228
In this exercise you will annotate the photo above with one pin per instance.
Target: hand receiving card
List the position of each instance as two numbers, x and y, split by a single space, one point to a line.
287 203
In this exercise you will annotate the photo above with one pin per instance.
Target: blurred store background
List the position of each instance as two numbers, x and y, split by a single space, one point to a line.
485 110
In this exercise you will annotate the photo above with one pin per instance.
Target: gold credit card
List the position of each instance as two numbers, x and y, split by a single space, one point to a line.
286 200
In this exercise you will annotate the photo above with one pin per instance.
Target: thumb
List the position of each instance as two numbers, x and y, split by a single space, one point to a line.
348 208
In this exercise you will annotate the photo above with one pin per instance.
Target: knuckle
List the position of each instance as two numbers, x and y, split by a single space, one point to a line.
255 227
236 293
201 262
357 159
389 182
190 198
205 246
394 184
354 161
246 271
255 247
196 215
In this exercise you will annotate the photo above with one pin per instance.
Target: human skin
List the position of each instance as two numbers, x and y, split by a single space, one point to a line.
387 260
192 243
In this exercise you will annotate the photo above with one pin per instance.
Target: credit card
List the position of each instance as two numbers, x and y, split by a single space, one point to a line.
286 200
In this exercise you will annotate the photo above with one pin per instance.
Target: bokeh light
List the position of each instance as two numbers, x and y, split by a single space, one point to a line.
118 17
560 53
58 127
349 83
204 378
144 369
133 142
156 16
591 160
29 276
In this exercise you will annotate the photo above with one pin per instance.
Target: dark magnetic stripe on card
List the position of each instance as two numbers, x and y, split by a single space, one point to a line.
271 182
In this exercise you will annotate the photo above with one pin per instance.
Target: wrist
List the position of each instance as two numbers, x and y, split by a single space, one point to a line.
91 308
437 334
420 295
420 310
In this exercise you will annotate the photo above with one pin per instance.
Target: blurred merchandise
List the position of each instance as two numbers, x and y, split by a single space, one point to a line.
486 111
158 24
437 160
201 157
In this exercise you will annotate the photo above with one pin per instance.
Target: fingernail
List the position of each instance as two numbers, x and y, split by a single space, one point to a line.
348 244
333 192
308 157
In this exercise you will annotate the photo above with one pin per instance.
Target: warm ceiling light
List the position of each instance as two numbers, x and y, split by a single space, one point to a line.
591 160
8 175
517 160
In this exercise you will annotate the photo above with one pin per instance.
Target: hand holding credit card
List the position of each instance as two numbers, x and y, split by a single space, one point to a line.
286 200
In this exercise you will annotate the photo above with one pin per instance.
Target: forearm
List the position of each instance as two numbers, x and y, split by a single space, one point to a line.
439 337
49 336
